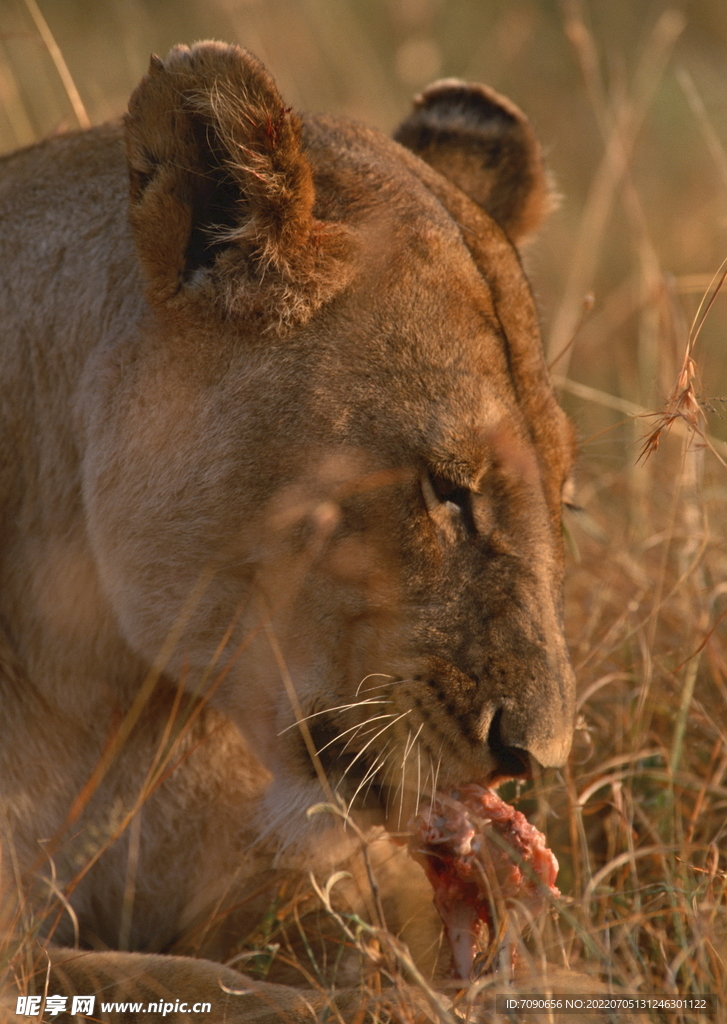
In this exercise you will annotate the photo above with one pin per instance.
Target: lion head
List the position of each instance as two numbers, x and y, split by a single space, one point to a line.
327 457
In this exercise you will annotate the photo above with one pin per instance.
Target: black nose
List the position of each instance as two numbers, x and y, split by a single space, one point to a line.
511 762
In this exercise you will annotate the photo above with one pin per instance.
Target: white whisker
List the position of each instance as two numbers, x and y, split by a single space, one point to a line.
369 775
394 793
435 780
419 772
329 711
382 770
403 778
353 728
409 746
433 773
373 739
430 771
365 732
407 750
374 675
380 686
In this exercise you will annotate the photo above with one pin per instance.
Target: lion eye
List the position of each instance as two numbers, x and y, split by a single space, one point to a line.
448 491
450 505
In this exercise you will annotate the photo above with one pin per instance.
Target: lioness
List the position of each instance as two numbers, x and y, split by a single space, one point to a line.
281 503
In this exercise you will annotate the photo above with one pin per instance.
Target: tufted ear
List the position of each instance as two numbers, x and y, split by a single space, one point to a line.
222 194
484 145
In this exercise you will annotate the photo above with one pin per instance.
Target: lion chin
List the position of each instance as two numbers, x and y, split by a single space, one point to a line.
281 517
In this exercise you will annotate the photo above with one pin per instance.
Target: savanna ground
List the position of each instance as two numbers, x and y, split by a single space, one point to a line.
630 101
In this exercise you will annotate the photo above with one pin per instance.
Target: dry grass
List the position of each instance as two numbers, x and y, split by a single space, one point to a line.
638 820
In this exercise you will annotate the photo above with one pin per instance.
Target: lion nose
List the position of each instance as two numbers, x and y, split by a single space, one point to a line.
511 761
514 738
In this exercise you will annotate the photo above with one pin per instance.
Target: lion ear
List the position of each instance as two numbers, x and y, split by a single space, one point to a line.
222 195
483 144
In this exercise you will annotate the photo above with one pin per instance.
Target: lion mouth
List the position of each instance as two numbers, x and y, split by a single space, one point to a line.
481 856
363 776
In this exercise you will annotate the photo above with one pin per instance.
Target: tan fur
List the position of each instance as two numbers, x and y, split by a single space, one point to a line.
278 440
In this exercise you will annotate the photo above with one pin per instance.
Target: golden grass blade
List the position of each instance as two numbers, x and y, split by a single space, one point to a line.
60 65
621 126
714 144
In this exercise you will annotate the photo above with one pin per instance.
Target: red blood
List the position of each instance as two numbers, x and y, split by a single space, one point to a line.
474 848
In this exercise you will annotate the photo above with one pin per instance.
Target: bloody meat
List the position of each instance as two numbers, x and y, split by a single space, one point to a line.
478 852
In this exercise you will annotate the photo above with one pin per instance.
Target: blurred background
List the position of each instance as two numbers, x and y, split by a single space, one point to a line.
629 98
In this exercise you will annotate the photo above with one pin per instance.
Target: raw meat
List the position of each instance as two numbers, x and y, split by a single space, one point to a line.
478 852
